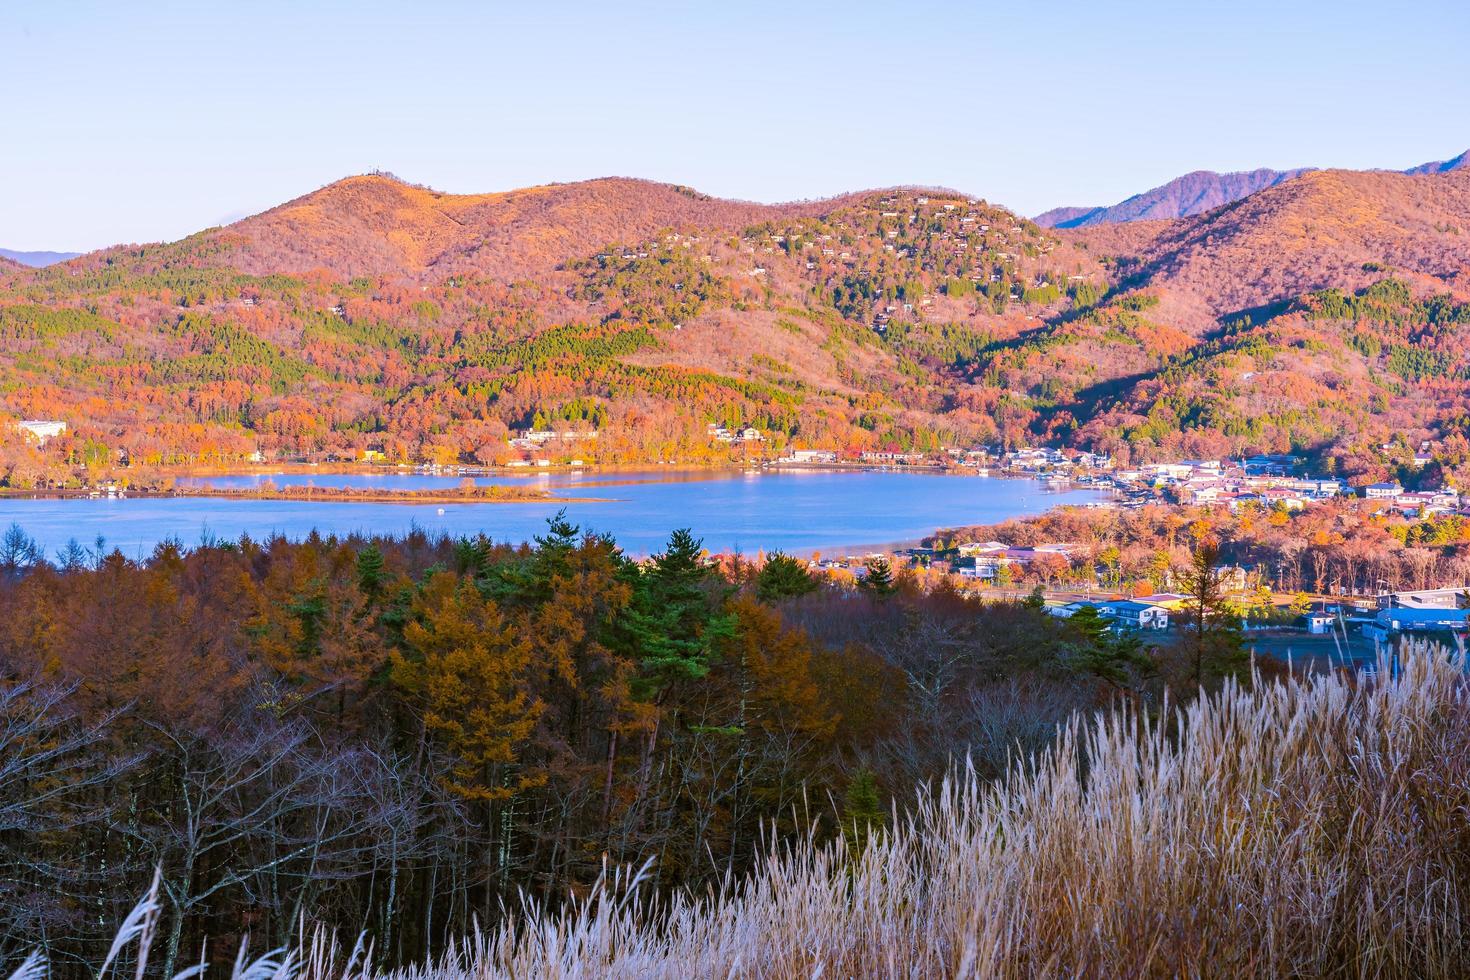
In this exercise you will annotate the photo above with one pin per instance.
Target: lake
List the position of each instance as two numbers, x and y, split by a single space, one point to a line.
795 511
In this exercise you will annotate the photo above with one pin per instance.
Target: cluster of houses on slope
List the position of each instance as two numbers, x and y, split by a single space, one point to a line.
1421 503
533 439
1264 480
720 433
535 443
1267 480
809 456
1053 461
537 447
984 561
1214 484
1390 616
1435 611
1428 611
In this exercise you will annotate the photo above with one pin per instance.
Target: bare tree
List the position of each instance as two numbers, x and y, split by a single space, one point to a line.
252 801
52 767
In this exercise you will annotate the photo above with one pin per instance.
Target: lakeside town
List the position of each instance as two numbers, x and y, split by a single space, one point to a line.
1065 576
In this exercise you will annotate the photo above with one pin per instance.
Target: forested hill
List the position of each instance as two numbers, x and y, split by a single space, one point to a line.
377 225
1326 228
375 315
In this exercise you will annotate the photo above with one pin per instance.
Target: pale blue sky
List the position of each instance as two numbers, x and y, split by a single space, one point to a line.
127 121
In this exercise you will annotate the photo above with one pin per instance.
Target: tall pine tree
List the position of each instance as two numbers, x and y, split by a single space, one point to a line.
878 582
783 577
1212 635
677 618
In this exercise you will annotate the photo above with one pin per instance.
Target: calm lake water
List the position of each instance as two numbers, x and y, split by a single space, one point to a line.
798 512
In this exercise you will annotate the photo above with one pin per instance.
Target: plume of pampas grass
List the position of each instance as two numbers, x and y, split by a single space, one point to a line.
33 968
1314 826
140 925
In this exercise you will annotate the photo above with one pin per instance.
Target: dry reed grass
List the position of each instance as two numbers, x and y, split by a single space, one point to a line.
1318 826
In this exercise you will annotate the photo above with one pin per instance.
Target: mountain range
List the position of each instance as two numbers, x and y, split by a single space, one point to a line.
1198 192
36 259
1323 314
1193 193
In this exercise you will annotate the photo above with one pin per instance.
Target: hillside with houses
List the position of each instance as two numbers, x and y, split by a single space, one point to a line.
378 321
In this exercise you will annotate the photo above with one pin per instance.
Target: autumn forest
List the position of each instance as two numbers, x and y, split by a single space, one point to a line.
407 736
374 319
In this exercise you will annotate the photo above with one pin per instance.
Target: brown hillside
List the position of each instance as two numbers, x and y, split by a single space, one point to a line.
1121 238
375 225
1325 228
13 273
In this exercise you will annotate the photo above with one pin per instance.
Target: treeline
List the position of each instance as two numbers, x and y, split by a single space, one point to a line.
401 736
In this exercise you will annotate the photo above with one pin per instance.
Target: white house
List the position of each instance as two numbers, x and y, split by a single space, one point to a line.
1135 615
1382 491
970 549
41 431
1319 622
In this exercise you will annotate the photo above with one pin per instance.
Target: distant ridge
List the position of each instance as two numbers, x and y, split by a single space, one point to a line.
37 259
1182 197
1198 192
1442 166
378 224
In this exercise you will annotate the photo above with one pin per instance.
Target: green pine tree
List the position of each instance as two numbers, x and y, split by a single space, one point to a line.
528 581
1212 634
1090 626
879 580
1100 650
677 619
370 571
783 577
862 810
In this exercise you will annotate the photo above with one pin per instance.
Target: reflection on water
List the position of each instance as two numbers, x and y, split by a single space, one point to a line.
798 512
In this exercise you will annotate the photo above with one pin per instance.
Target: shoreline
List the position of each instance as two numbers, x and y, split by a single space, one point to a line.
318 495
603 476
161 474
